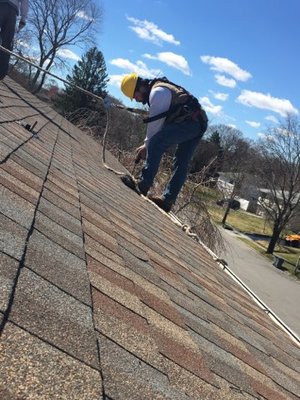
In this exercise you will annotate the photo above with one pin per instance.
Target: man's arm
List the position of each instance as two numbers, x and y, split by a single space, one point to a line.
160 101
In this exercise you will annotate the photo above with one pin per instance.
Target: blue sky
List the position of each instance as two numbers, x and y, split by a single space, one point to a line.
240 58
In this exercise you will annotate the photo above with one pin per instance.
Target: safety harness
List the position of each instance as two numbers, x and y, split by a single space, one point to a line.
184 106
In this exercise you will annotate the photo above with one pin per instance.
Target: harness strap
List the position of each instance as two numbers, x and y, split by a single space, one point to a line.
163 114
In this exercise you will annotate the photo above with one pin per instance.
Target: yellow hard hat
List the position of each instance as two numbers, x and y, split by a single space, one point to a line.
128 85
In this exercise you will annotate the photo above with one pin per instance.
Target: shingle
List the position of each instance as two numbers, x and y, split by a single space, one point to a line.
18 187
127 377
4 151
113 275
278 373
117 273
100 236
60 235
52 315
268 392
12 237
118 294
70 189
110 307
61 193
164 308
13 134
194 386
23 175
9 142
59 202
139 266
40 164
59 266
101 253
131 246
96 219
60 216
8 273
31 368
16 208
65 176
26 164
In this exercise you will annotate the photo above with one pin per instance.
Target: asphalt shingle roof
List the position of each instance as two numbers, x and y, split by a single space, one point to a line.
102 296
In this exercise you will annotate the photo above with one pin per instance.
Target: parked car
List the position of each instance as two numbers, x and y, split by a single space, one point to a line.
293 240
234 204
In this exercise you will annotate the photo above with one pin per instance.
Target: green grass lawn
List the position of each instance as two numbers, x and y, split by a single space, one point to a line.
241 220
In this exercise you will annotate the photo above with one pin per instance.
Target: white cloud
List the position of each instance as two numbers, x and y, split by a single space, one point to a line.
115 80
271 118
219 96
226 66
65 53
139 68
173 60
253 124
209 107
266 102
24 44
284 132
83 15
227 82
147 30
266 137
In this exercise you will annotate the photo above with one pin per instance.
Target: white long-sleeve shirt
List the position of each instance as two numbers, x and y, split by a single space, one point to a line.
159 101
21 6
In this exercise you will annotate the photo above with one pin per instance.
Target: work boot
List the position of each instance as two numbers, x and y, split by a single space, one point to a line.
162 203
130 182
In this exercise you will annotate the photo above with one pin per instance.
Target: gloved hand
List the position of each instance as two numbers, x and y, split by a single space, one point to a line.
141 153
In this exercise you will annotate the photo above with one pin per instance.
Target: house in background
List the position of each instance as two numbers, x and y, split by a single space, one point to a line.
265 200
252 198
248 192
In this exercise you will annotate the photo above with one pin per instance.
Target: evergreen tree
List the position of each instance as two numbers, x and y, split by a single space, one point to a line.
90 74
215 138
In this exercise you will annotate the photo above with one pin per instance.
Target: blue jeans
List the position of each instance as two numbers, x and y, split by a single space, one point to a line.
187 136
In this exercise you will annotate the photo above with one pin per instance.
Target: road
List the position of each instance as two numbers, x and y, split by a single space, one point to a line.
277 289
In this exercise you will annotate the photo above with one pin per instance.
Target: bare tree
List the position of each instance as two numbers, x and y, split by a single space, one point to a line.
279 172
127 130
57 25
235 151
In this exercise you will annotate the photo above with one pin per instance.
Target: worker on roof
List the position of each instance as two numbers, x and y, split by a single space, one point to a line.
9 10
175 118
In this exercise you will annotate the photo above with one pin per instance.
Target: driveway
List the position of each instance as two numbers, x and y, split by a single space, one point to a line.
278 290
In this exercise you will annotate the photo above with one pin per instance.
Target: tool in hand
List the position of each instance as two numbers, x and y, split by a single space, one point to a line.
136 161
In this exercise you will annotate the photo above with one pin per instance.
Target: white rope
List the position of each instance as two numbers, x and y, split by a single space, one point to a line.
104 141
50 73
